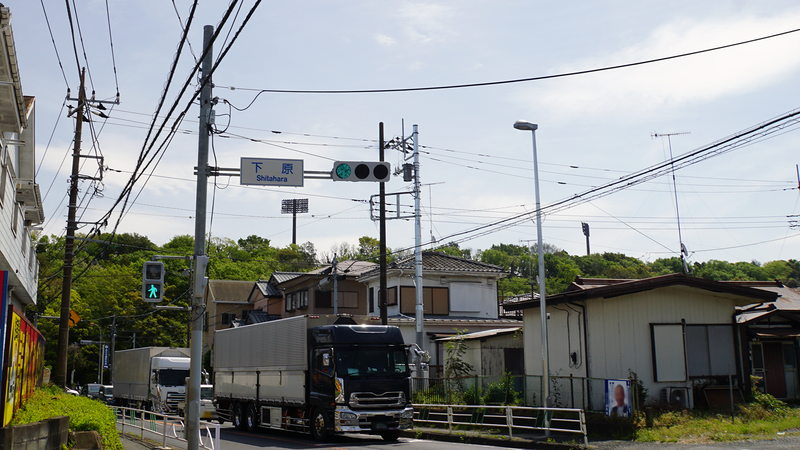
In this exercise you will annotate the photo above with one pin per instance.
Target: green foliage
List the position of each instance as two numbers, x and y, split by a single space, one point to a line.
84 414
502 392
639 389
454 364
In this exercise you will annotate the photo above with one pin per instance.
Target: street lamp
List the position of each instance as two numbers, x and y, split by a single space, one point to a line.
99 355
532 127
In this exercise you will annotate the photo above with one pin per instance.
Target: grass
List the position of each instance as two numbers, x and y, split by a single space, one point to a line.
84 414
752 422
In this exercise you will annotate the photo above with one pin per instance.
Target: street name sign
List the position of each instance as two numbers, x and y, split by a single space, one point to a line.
271 172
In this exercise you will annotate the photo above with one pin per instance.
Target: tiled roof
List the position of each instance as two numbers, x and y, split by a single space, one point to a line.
442 262
281 277
350 267
260 317
267 289
481 334
230 290
605 288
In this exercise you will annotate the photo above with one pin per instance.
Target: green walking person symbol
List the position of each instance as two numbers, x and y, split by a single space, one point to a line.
152 291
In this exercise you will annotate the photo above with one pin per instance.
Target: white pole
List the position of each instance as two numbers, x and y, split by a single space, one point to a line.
420 315
532 127
335 286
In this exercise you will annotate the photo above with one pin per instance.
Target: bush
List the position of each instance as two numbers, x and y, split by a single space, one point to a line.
502 393
84 413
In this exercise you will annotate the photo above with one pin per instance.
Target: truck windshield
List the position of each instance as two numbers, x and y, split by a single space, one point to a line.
206 393
356 362
172 377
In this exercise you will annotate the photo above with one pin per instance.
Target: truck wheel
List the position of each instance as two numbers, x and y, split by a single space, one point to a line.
390 436
319 425
251 418
237 416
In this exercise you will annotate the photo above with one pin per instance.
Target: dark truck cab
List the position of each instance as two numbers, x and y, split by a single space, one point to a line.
322 375
359 380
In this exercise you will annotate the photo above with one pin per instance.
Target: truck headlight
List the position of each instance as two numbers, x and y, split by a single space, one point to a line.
407 414
347 415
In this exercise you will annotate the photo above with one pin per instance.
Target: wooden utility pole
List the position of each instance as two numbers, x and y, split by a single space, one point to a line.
69 244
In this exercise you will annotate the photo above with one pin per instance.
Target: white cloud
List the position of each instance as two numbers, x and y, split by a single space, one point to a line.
425 23
679 82
383 39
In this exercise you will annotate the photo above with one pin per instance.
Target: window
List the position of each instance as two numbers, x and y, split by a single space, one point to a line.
3 182
711 350
15 218
391 296
289 302
25 242
228 319
434 300
371 301
302 300
669 357
322 299
205 321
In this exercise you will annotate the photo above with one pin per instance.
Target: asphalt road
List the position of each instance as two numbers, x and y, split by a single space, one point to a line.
233 439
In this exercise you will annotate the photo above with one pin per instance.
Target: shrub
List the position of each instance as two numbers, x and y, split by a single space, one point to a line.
84 413
502 393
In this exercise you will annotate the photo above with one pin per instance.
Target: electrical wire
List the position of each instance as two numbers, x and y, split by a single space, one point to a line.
55 47
111 41
516 80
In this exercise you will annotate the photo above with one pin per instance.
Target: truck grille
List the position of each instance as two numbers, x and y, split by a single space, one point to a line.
376 401
173 398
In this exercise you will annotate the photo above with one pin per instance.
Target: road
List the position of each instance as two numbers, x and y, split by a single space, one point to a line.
233 439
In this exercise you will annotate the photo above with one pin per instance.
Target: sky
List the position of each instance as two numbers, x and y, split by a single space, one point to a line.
475 167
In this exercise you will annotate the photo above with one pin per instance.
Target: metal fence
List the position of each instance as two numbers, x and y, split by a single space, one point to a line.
587 394
509 418
152 424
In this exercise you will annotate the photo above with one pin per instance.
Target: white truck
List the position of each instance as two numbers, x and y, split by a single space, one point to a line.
314 374
151 378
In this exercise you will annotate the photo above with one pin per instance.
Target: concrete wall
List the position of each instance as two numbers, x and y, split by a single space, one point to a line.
50 434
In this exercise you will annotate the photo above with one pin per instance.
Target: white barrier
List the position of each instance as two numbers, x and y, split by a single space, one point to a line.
171 426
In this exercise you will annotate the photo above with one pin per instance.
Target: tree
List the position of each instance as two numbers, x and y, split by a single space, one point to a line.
454 364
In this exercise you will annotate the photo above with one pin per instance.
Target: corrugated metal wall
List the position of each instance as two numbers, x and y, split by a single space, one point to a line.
277 345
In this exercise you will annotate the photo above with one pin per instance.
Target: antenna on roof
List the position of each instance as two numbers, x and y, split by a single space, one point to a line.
683 252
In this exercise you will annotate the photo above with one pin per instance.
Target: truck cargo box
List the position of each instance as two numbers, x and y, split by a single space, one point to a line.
132 370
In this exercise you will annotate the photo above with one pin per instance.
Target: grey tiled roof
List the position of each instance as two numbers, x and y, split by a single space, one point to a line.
230 290
281 277
442 262
267 289
350 267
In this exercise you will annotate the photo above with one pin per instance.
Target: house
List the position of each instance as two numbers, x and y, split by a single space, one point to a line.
769 335
20 199
458 294
312 292
492 353
673 331
226 302
266 297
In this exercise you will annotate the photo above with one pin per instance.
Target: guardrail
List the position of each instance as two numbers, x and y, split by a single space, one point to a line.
570 420
170 426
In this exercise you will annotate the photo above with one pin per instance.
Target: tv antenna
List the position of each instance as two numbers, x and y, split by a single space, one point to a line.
684 252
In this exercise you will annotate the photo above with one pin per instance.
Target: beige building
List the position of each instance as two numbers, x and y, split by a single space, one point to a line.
226 301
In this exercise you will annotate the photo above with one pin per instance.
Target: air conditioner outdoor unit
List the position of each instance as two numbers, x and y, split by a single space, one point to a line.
677 395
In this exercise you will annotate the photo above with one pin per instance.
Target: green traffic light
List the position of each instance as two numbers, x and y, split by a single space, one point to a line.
343 171
153 290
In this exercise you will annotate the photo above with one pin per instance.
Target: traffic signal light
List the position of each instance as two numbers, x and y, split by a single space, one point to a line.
153 281
361 171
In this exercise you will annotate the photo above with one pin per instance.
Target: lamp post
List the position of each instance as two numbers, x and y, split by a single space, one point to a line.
532 127
99 355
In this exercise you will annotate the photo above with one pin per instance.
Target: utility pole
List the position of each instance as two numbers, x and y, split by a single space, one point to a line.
113 348
69 244
419 309
382 290
200 258
335 285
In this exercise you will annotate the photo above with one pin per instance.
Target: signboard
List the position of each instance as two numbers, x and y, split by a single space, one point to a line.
74 318
105 356
618 398
271 172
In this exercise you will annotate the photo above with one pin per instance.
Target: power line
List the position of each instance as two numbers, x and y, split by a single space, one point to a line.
53 40
512 81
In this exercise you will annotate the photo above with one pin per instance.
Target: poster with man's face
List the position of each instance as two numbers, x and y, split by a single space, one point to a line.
618 398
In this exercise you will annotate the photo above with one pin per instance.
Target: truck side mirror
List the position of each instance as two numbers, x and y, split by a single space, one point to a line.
154 377
326 360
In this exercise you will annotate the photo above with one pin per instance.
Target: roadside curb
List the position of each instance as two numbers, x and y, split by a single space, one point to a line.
466 438
131 442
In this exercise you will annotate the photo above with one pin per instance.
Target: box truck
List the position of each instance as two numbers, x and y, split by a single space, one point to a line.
315 374
151 378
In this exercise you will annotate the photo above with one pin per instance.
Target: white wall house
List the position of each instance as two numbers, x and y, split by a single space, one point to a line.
671 330
20 200
458 294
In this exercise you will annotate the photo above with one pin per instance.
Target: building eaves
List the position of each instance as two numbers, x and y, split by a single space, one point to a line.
439 262
645 284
